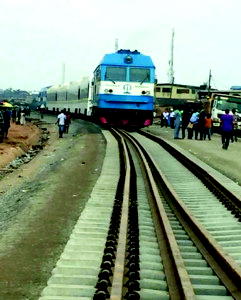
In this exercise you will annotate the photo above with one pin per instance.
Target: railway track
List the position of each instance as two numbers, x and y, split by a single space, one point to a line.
156 230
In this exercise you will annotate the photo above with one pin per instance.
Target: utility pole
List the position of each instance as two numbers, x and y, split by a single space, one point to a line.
171 70
209 82
116 45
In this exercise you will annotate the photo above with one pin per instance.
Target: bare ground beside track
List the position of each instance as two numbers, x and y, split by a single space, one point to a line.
39 205
20 139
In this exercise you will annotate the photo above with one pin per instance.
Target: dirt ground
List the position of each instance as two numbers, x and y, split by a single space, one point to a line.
20 139
40 203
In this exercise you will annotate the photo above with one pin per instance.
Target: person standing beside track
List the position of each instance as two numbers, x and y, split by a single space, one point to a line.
165 117
194 121
67 122
22 118
61 123
234 136
172 118
207 127
201 124
14 115
186 115
42 110
7 120
177 123
226 127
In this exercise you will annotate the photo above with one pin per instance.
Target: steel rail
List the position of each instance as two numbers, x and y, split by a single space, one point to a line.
116 292
179 284
223 265
231 201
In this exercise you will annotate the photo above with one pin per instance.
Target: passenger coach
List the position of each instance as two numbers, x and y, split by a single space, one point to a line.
72 97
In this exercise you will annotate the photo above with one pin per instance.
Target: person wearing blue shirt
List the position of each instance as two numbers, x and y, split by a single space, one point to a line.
194 121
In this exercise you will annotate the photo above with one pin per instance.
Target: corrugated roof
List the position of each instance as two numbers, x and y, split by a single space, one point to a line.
178 85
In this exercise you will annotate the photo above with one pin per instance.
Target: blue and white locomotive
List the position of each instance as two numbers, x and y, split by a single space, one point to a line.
121 92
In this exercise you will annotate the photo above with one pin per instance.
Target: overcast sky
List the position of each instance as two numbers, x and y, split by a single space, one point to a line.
37 37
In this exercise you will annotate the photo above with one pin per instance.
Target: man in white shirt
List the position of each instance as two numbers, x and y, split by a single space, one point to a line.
61 122
172 118
165 117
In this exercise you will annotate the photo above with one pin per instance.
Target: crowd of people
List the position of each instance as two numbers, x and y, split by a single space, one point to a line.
197 124
15 115
18 115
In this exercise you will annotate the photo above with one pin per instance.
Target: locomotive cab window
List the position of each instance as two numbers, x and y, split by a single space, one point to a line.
140 75
97 74
115 74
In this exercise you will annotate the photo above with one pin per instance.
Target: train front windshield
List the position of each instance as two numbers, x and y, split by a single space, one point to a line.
128 74
140 75
115 74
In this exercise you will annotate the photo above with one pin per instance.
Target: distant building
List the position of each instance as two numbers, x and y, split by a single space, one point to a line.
168 94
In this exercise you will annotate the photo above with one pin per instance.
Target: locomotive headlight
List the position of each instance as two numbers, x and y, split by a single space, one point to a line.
145 92
128 59
108 91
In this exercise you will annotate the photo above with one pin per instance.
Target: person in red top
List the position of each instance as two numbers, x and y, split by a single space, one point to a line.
207 126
